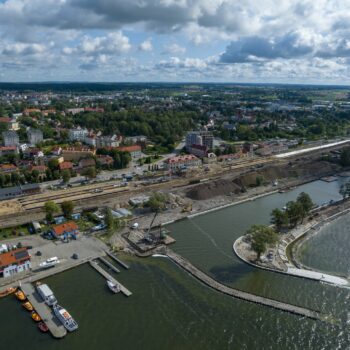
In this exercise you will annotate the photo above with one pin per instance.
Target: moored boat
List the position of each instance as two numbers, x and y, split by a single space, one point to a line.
43 327
115 288
66 319
8 291
28 306
35 316
20 295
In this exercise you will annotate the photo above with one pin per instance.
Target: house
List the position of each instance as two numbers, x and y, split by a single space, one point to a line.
65 166
75 110
6 150
35 136
203 138
87 163
108 141
78 134
33 152
11 124
10 138
180 162
8 168
135 150
65 230
14 261
29 111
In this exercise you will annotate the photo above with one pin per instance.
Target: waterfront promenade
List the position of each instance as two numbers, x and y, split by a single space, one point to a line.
297 310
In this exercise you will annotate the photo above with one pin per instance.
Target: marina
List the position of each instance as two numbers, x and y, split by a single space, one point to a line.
106 275
55 327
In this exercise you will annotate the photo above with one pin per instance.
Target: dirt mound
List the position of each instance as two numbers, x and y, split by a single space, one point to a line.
292 170
212 189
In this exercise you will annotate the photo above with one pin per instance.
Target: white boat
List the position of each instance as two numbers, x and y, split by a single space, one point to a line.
51 262
115 288
67 320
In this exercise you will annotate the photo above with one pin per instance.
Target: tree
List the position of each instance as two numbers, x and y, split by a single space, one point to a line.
157 201
295 212
66 176
279 218
50 208
306 202
259 180
345 156
261 237
67 208
342 191
53 164
90 172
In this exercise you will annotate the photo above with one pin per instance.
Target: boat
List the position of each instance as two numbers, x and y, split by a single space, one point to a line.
28 306
35 316
20 295
115 288
51 262
67 320
7 292
43 327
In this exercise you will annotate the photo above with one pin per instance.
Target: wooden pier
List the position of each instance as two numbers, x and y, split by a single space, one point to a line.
112 256
106 275
55 326
108 264
186 265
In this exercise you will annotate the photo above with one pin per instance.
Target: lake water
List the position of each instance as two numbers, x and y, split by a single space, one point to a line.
171 310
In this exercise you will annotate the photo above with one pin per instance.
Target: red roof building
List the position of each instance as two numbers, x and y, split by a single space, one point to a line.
65 165
135 150
14 261
67 228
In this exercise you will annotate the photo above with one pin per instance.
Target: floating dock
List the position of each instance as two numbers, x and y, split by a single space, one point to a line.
106 275
108 264
55 326
112 256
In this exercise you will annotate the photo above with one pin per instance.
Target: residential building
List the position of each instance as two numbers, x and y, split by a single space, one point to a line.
108 141
105 161
56 150
75 110
29 111
14 261
65 230
135 150
181 162
8 168
203 138
136 139
65 166
35 136
78 134
17 191
6 150
10 138
74 154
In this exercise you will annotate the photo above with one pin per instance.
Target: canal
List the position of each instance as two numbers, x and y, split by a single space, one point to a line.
171 310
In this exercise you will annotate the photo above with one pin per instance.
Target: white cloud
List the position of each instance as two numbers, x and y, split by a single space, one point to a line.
146 46
173 49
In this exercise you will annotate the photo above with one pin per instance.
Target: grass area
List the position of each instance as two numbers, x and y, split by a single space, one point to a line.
12 232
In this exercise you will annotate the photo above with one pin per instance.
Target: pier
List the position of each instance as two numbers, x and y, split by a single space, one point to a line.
106 275
294 309
108 264
112 256
55 326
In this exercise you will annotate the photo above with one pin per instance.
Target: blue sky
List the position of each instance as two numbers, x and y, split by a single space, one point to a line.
287 41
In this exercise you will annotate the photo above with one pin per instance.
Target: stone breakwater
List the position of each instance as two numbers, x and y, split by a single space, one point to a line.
207 280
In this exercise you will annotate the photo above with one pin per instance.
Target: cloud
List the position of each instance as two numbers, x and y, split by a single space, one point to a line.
146 46
173 49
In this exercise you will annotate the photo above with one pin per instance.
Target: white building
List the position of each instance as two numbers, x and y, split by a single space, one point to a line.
35 136
10 138
181 162
78 134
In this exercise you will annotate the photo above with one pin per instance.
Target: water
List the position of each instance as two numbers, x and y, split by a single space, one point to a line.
171 310
328 251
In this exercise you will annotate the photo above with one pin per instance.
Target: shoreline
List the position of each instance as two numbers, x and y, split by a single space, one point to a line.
291 266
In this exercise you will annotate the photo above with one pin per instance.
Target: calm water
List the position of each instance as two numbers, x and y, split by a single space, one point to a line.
171 310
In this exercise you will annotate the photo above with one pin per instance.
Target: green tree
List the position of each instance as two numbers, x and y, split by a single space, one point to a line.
53 164
259 180
306 202
90 173
67 208
279 218
66 176
157 201
50 209
295 212
261 237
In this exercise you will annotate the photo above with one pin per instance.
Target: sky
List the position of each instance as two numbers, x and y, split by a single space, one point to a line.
271 41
